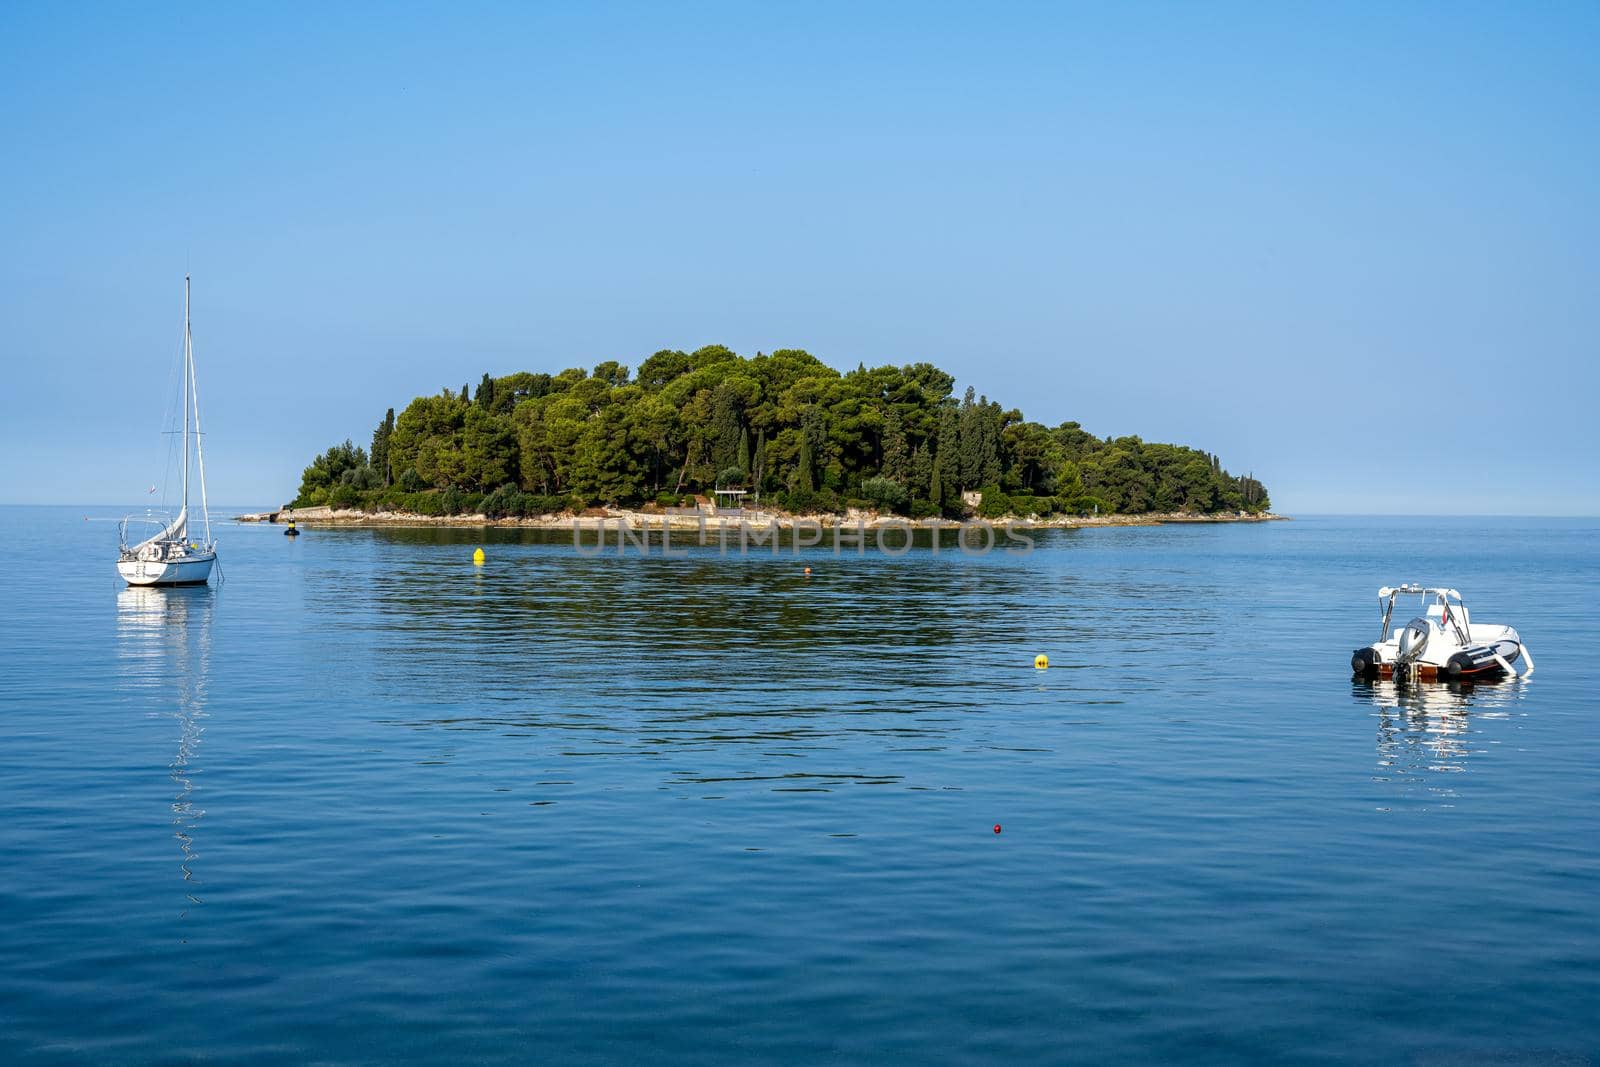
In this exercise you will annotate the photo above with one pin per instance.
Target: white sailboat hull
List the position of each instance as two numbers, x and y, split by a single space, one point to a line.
189 570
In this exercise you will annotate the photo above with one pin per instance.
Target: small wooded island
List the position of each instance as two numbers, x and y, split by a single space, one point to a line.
792 431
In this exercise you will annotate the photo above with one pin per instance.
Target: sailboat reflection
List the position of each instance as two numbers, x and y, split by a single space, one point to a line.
1431 728
164 646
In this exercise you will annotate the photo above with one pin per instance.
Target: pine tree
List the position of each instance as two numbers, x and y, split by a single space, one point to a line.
744 451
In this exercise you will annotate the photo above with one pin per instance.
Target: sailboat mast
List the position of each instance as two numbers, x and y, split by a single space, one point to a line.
186 359
199 440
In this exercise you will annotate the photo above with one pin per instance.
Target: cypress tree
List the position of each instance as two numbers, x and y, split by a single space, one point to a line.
727 429
969 466
989 416
380 448
920 472
948 459
807 476
895 456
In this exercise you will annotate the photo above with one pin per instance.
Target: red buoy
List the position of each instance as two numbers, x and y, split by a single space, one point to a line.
996 827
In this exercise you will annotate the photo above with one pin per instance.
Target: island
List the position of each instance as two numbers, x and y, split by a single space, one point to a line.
778 434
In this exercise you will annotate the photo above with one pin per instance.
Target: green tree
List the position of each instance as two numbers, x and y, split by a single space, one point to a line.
896 450
380 448
948 459
326 472
489 450
990 420
427 437
806 477
969 475
920 476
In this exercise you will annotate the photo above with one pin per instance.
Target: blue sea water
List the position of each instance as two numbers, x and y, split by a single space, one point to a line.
364 802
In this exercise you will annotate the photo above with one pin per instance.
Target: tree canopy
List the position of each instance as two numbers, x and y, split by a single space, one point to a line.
783 424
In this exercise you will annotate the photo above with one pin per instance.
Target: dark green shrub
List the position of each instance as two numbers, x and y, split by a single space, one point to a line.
884 494
361 478
814 502
534 504
1025 504
505 502
995 504
425 502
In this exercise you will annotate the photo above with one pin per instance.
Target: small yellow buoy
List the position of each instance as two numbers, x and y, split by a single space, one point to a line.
1041 661
477 557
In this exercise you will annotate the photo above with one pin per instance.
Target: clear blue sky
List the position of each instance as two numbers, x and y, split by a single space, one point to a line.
1354 248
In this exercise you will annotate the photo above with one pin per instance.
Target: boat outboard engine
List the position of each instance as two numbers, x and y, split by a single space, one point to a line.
1412 640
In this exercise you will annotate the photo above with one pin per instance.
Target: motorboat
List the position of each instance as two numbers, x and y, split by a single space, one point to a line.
1441 644
169 555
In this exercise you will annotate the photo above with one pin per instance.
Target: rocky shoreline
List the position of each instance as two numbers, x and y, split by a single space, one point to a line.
656 519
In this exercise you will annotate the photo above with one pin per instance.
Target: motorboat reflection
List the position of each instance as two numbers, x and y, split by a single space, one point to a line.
1434 728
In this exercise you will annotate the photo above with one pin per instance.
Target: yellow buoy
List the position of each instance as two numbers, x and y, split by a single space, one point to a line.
1041 661
477 557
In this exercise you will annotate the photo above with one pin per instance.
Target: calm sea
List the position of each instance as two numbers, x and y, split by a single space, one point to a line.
364 802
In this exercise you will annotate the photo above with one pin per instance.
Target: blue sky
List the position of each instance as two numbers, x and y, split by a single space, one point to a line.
1353 248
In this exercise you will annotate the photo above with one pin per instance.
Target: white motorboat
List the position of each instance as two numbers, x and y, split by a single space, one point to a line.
170 556
1441 644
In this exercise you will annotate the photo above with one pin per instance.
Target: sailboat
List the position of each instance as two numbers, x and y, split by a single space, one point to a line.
170 557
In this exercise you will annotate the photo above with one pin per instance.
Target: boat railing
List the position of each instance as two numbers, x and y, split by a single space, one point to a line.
152 521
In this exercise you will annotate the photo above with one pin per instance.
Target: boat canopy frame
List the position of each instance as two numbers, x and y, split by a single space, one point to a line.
1441 595
162 521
